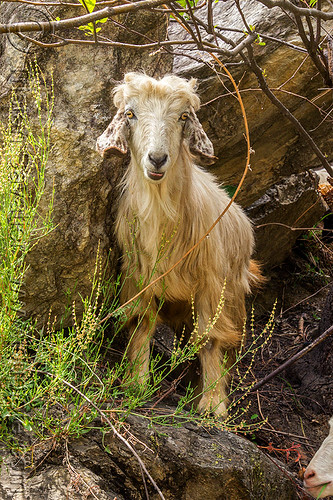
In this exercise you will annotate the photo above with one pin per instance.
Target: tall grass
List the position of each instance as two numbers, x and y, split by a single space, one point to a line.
43 377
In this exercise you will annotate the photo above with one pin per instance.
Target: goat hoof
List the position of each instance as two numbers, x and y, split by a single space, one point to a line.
213 406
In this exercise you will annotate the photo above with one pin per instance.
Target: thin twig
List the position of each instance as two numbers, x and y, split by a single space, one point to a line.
293 228
293 359
291 7
312 48
284 433
197 29
308 297
285 111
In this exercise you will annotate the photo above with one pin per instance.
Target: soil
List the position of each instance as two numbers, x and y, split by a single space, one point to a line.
297 416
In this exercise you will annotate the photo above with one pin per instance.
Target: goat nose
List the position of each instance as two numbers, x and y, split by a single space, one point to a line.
309 474
158 161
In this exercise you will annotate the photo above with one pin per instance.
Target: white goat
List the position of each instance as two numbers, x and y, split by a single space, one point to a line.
318 477
166 197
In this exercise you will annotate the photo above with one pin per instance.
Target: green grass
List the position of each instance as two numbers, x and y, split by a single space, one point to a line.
56 383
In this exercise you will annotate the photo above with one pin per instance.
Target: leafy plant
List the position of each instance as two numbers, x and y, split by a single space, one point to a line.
90 28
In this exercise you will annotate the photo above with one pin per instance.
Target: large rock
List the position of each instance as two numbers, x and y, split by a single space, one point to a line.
187 463
283 206
85 188
279 152
276 185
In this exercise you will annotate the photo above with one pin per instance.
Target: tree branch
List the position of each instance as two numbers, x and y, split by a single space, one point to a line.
74 22
311 47
287 5
293 359
285 111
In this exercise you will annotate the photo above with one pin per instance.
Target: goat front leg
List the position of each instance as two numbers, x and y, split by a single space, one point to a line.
214 378
141 331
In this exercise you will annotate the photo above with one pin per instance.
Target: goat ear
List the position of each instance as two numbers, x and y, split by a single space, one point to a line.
114 139
199 144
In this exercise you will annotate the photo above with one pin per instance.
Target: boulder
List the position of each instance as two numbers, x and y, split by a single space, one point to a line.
278 150
277 189
283 206
187 463
84 187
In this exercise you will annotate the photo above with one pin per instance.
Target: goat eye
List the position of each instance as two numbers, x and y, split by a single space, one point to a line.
184 116
129 113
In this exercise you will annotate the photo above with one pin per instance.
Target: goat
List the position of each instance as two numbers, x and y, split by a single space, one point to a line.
318 477
167 196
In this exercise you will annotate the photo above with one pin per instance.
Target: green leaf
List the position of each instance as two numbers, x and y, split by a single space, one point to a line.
88 4
89 27
254 416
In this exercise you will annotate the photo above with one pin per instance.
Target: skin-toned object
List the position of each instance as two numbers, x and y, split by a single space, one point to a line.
318 477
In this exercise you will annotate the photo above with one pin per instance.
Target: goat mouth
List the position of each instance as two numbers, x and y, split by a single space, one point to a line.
318 486
155 176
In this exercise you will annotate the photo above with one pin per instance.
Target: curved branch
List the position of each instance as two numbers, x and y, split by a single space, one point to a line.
287 5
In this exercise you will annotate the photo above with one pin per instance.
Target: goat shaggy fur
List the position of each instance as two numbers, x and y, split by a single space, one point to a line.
168 197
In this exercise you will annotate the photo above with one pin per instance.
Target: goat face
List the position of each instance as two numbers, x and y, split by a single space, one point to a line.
318 477
156 128
156 118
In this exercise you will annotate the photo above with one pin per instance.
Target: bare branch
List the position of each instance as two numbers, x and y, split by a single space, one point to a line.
287 5
74 22
48 4
312 48
293 359
282 42
263 85
185 25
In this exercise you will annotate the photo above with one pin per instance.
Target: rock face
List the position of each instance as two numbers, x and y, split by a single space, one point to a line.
187 463
85 188
277 189
279 152
284 204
